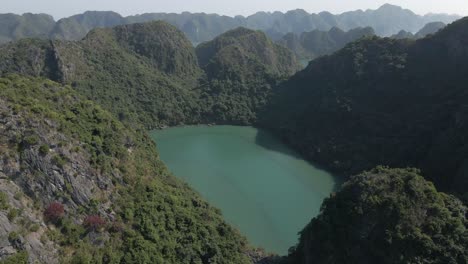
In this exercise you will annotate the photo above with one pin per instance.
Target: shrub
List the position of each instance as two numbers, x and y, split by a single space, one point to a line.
59 161
18 258
54 212
71 232
94 223
117 227
3 201
18 195
13 237
44 149
12 214
34 228
31 140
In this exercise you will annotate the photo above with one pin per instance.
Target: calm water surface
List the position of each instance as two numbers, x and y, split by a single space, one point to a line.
262 187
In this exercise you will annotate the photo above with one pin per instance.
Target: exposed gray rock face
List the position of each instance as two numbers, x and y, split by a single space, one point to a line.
25 231
38 166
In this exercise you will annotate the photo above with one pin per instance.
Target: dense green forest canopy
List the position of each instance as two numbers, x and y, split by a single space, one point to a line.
383 101
242 68
386 216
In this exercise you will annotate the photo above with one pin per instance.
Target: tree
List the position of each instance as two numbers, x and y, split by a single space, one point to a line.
54 212
94 223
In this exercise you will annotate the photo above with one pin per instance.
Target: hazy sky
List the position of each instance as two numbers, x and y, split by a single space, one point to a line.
62 8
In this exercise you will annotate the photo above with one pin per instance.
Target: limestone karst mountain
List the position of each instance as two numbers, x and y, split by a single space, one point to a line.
200 27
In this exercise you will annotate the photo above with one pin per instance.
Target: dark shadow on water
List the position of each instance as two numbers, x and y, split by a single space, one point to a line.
268 141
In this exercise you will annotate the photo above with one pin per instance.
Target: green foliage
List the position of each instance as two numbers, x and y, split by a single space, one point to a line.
71 233
166 48
13 236
135 83
381 101
148 73
13 213
241 48
347 123
82 119
162 219
34 228
156 214
33 57
44 150
18 258
386 216
59 160
242 67
3 201
18 195
31 140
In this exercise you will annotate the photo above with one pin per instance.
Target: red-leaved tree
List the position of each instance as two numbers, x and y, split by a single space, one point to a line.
94 223
54 212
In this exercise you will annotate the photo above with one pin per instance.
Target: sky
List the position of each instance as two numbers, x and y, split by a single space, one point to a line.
64 8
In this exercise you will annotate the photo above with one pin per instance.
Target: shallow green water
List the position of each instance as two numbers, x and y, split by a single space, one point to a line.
262 187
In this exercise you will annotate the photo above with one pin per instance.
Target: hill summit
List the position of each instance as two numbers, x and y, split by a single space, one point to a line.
245 49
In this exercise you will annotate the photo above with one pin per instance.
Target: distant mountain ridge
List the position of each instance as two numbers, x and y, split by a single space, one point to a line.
15 27
310 45
200 27
428 29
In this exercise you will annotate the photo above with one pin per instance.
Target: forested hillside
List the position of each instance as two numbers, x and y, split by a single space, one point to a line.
383 102
386 216
105 67
81 181
78 186
242 67
149 73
